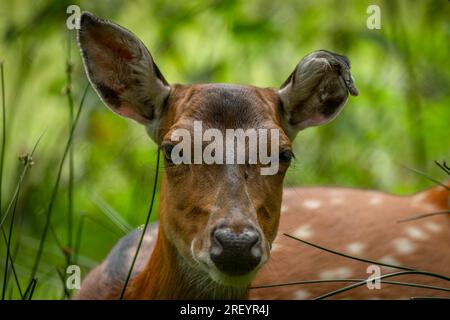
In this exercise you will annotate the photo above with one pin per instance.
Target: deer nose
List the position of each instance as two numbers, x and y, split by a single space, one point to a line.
236 253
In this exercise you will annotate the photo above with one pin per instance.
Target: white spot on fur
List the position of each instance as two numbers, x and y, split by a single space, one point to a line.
404 245
276 247
303 232
375 200
433 227
283 209
337 200
301 294
419 198
416 233
339 273
336 192
389 260
355 248
312 204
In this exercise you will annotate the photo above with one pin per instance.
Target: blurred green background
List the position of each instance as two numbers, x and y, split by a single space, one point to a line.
401 117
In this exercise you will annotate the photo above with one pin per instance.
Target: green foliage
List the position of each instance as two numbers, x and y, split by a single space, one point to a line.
400 118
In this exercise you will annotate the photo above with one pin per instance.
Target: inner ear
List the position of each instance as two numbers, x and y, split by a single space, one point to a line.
121 69
316 91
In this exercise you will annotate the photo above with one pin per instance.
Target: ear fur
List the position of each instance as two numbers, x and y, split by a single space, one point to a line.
316 91
121 70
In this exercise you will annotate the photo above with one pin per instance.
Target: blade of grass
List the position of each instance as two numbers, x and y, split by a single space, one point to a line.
8 249
112 214
147 220
78 238
68 92
13 268
2 154
80 232
33 286
368 260
390 275
66 293
30 288
347 255
294 283
430 298
57 241
28 162
443 166
423 174
55 188
423 215
15 195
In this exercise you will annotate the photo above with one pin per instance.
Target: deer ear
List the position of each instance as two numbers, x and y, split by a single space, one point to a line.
121 70
316 91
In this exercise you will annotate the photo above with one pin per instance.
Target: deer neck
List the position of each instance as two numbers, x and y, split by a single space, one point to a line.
168 276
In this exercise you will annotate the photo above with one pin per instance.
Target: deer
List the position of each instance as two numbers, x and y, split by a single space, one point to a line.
226 231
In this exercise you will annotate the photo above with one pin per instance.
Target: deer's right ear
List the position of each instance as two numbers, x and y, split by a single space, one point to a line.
316 91
121 70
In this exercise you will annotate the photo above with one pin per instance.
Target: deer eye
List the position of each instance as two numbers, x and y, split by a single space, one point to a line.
166 149
286 156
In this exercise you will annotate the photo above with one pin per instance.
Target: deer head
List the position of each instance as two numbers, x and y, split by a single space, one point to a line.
219 219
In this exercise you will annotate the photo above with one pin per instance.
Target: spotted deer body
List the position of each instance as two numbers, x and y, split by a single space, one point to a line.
219 222
362 223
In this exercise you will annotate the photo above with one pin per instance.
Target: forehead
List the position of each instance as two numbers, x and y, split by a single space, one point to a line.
225 106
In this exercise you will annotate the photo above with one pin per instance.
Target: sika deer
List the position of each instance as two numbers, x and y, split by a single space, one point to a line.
219 222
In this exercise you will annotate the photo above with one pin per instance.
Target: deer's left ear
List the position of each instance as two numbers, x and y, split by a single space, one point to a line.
121 70
316 91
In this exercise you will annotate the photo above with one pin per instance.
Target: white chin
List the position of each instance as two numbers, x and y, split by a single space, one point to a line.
233 281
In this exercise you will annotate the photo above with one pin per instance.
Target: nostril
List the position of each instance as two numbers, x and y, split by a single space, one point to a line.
252 237
245 240
236 253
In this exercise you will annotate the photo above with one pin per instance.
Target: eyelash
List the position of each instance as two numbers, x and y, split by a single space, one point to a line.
286 156
166 149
